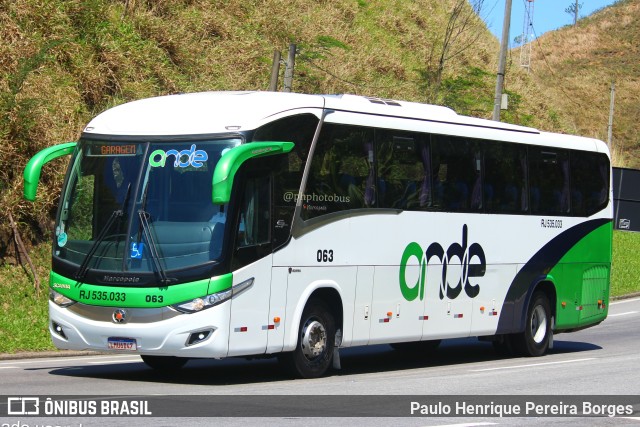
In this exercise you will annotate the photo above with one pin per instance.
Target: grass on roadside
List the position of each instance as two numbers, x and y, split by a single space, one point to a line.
24 327
625 272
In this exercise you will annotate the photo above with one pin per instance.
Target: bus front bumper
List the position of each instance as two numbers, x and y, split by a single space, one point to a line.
162 332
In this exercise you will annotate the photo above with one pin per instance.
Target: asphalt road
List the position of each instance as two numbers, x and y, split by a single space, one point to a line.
602 360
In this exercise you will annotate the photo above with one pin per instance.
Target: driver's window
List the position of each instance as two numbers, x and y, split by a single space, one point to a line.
79 225
255 215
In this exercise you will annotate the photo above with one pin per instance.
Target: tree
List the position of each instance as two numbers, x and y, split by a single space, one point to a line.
573 10
519 40
460 34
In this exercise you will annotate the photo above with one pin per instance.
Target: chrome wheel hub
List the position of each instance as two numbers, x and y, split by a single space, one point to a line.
538 324
314 339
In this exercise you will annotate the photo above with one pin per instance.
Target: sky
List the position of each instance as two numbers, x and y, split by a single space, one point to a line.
548 15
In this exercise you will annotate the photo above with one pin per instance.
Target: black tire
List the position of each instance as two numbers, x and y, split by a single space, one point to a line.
417 347
534 341
316 340
164 363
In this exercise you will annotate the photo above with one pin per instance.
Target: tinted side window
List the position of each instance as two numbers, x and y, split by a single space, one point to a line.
299 130
254 224
589 182
342 175
253 232
457 167
404 164
549 177
288 168
505 184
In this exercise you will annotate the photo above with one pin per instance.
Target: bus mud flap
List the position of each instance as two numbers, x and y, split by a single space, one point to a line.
336 350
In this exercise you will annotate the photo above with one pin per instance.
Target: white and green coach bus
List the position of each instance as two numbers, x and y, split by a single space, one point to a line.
226 224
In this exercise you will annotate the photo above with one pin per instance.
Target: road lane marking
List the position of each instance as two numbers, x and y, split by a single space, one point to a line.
466 425
123 360
622 314
58 359
533 364
624 301
8 367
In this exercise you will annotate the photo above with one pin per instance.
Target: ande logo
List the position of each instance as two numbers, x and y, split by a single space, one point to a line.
456 254
182 159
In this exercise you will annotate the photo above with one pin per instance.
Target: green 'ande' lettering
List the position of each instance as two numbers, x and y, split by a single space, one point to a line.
411 293
472 260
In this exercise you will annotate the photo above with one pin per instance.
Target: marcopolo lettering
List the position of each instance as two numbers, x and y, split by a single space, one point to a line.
471 258
183 159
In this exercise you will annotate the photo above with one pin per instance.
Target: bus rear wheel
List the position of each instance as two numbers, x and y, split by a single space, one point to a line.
164 363
316 340
534 341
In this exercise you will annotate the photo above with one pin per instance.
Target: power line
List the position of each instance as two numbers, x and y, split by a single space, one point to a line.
544 57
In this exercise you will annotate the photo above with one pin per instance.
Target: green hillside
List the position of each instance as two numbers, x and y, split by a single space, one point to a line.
573 68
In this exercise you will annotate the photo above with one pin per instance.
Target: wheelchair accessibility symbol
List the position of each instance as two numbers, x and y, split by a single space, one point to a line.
136 250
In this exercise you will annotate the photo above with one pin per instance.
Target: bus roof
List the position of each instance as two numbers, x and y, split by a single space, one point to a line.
197 113
223 112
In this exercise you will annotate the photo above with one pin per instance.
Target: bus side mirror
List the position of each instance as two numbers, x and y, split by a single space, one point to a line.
34 166
231 161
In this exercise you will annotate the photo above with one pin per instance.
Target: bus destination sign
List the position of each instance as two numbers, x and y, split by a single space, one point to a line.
112 150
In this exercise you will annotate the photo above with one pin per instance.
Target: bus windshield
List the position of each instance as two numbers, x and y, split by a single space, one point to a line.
141 207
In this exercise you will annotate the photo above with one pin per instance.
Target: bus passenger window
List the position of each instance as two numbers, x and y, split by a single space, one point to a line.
342 175
589 182
549 175
505 188
404 177
458 167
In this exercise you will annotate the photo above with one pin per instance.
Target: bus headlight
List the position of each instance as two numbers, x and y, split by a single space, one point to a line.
60 299
211 300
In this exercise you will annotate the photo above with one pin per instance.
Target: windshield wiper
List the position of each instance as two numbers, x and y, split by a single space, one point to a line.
153 249
146 230
84 267
117 214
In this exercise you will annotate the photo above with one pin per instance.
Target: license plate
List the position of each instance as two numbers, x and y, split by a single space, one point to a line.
124 344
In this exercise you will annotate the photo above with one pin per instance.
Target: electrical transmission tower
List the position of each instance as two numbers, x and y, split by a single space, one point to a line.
527 36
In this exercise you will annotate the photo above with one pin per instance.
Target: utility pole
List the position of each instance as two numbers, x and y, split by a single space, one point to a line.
275 71
575 16
288 71
504 44
610 127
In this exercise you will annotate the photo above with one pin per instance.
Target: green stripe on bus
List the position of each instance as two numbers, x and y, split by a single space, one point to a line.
127 296
582 278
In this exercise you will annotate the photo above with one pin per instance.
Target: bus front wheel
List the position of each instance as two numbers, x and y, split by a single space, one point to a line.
316 340
164 363
534 341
